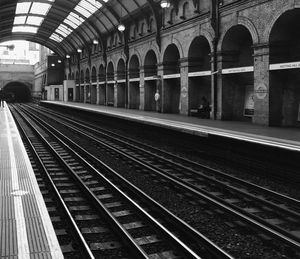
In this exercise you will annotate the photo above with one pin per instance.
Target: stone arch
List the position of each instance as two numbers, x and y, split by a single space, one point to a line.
137 54
94 74
134 66
276 15
241 20
145 51
121 69
87 75
177 43
209 34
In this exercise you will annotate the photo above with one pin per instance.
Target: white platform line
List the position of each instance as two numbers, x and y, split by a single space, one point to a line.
22 241
54 246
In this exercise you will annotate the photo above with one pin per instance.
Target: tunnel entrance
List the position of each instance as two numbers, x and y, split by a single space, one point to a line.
17 92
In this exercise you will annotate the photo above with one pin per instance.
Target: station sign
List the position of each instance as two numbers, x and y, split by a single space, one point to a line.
121 81
280 66
200 73
237 70
171 76
134 80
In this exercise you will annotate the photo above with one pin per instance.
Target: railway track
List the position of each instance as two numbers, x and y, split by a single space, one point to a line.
272 213
107 221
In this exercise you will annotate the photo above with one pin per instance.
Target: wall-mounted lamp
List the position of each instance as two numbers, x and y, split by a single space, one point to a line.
52 65
59 61
95 42
165 4
67 56
79 50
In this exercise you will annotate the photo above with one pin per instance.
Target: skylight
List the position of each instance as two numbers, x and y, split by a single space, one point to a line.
56 37
40 8
34 20
30 14
85 8
24 29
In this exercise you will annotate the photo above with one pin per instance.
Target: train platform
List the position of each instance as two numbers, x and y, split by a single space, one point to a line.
26 230
285 138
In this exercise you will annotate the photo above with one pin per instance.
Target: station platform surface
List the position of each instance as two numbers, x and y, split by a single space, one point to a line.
26 230
286 138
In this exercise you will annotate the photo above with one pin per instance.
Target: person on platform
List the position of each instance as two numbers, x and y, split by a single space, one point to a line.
204 108
1 98
157 100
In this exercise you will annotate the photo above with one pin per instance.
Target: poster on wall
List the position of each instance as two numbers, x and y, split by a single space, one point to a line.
249 102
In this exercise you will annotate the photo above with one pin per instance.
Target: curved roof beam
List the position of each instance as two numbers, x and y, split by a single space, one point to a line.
49 45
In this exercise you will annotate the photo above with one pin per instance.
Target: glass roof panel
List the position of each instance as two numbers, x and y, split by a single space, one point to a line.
34 20
56 37
27 29
40 8
23 7
20 19
82 11
85 8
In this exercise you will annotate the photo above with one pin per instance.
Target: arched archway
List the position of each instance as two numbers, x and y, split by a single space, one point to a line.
199 67
94 86
151 83
284 59
134 82
110 84
102 86
17 91
170 94
87 86
81 86
77 81
121 84
237 74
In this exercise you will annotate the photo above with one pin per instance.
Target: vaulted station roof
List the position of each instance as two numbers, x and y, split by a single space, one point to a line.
65 25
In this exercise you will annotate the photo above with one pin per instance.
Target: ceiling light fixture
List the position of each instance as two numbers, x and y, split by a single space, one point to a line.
121 26
67 56
95 42
165 4
79 50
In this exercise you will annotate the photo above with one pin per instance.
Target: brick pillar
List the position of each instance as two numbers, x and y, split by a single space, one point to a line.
160 86
142 89
184 79
84 92
97 92
115 90
261 85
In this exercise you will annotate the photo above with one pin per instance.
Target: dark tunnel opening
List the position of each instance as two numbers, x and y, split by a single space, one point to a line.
17 92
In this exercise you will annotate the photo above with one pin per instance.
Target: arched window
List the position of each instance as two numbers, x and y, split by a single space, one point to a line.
184 10
142 29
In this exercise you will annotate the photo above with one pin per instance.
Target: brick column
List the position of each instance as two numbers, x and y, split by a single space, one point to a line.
261 84
184 79
160 86
142 88
97 92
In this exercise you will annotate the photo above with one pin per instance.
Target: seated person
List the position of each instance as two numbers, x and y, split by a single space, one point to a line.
204 108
